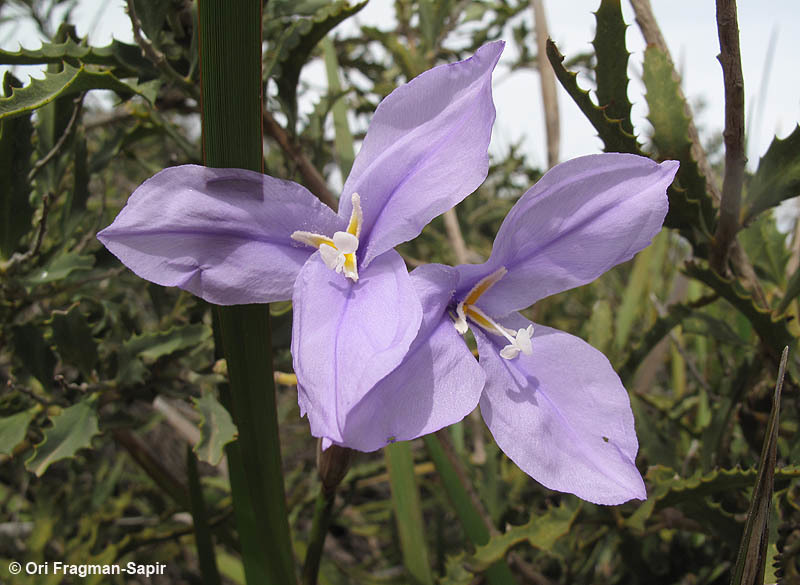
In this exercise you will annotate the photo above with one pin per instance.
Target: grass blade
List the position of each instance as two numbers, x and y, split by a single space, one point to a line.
407 511
752 558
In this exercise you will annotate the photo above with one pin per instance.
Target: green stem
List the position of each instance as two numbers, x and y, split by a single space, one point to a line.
323 512
202 530
230 58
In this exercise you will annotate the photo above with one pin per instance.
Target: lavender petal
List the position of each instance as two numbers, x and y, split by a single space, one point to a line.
222 234
562 415
425 150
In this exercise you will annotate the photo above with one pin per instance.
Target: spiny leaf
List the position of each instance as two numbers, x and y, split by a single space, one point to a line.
152 14
216 429
752 558
690 205
70 81
771 328
59 268
124 60
612 63
72 430
777 177
292 49
152 346
73 338
611 132
541 532
410 61
15 162
13 429
667 488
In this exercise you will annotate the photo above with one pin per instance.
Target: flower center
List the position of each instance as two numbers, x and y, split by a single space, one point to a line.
519 341
338 252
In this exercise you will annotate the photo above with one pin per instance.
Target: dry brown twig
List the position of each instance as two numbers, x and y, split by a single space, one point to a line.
741 263
548 81
730 202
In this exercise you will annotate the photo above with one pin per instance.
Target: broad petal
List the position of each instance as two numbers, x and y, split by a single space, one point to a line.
222 234
426 149
346 336
581 219
438 383
562 415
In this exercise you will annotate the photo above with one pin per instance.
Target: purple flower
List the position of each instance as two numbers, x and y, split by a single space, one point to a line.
233 236
552 402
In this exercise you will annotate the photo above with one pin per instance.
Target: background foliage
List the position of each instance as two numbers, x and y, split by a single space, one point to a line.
107 378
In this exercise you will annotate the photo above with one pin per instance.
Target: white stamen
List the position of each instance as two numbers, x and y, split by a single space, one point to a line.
519 341
345 243
460 322
332 257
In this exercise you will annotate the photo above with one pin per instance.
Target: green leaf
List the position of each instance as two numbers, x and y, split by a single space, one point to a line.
667 488
777 177
151 346
13 429
202 531
601 325
79 194
124 60
541 532
708 326
294 46
766 248
72 430
216 428
410 61
675 315
770 327
34 352
690 205
612 63
471 520
73 338
611 131
343 138
152 14
15 163
752 558
70 81
634 295
231 58
792 292
59 268
407 512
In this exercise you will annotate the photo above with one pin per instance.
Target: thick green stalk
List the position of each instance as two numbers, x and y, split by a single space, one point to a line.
407 511
230 61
